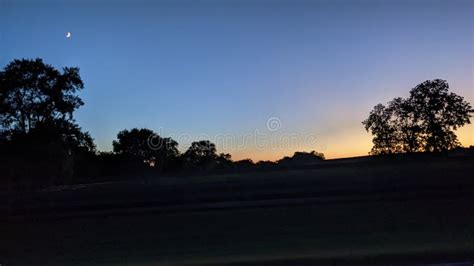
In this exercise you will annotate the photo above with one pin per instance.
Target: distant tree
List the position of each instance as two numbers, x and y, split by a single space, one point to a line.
134 144
265 165
425 121
301 159
201 154
145 146
244 164
224 161
312 155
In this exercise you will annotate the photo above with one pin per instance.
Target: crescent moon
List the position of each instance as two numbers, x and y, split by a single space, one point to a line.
68 35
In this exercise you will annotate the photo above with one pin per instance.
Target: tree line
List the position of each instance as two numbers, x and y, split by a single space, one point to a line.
42 144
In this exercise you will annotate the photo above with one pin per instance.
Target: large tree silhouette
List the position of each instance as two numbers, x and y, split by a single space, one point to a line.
39 137
425 121
33 92
36 96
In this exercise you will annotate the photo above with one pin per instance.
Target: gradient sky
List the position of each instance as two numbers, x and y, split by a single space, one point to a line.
220 70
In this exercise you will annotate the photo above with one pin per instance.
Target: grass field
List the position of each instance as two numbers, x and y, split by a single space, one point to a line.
401 212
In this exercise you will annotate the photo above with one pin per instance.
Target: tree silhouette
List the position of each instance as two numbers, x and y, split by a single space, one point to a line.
245 164
201 155
224 161
39 137
145 146
36 96
440 113
32 92
380 124
425 121
406 125
300 158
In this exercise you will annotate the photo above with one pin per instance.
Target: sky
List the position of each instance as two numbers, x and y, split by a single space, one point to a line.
262 79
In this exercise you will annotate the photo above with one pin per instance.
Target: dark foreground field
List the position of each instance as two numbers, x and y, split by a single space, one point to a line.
378 212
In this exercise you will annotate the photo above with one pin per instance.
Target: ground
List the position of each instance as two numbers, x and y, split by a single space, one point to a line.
402 212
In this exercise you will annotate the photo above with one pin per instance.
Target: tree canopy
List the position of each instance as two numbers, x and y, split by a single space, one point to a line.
423 122
37 99
33 92
145 145
200 154
39 137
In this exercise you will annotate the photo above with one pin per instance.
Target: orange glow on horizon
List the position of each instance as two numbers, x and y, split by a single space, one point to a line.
352 143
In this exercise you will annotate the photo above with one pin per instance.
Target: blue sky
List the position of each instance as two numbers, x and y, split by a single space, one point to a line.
201 69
